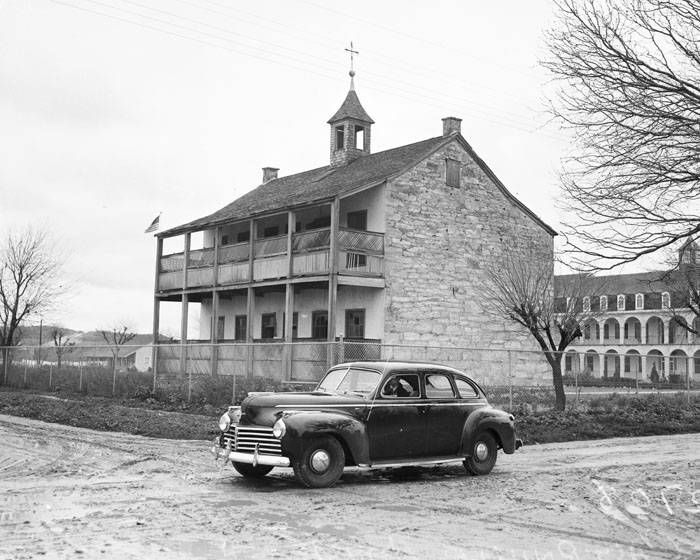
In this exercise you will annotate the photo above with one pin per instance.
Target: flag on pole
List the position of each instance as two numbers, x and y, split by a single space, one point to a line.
155 224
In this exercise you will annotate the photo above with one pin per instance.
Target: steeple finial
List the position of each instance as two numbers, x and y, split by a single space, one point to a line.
352 52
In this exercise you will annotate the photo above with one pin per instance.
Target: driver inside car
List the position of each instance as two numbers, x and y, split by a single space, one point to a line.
395 388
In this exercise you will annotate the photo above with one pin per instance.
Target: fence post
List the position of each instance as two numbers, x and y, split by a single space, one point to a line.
25 374
114 377
341 349
5 359
80 377
510 380
189 380
154 366
50 375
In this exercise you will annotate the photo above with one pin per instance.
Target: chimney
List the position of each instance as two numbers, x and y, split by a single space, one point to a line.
269 174
451 125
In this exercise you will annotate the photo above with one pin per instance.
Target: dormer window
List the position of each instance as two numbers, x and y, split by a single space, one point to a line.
603 303
586 304
339 137
639 301
621 302
665 300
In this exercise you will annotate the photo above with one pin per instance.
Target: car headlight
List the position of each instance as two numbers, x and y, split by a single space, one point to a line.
234 413
224 422
279 429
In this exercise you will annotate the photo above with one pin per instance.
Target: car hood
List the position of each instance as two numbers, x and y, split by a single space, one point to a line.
264 409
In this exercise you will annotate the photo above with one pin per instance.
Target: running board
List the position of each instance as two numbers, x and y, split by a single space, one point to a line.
411 463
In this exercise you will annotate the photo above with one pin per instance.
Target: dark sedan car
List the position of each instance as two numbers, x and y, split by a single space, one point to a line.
367 414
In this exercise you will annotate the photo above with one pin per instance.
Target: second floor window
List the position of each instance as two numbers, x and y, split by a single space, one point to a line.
354 323
665 300
603 303
639 301
586 305
621 302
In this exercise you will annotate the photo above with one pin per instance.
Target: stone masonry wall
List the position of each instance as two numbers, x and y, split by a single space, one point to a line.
440 242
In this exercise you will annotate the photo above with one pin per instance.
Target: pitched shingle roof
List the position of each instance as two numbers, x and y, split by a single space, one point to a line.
317 184
351 108
325 183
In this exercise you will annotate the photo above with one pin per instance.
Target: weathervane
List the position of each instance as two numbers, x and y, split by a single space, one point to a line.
352 52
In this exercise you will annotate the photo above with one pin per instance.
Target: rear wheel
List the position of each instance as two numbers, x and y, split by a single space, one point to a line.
321 463
250 471
482 455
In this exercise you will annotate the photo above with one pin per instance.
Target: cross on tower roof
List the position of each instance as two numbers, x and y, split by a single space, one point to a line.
352 52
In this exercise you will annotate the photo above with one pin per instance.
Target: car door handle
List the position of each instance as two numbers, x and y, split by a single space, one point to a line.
424 409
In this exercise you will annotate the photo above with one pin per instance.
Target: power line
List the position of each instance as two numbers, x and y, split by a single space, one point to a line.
396 92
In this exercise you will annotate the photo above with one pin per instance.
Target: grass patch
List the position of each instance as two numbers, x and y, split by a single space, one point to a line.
598 418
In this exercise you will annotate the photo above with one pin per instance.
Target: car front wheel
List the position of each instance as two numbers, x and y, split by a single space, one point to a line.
321 463
250 471
482 456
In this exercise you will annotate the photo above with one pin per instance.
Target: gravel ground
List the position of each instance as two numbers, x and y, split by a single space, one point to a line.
70 492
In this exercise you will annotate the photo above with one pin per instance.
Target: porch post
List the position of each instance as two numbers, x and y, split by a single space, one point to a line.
667 366
289 300
185 303
644 366
156 313
250 312
183 333
214 333
333 278
215 305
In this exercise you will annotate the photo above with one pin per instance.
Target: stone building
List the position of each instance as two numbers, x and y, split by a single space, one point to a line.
389 248
637 330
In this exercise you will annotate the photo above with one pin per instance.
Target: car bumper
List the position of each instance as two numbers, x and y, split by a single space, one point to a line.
254 458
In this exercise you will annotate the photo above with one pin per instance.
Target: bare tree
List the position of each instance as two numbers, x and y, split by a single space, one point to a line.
30 274
629 77
62 344
116 338
523 293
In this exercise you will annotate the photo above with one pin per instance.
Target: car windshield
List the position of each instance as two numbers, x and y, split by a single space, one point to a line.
349 380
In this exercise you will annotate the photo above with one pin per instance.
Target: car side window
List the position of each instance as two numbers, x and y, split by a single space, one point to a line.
466 389
401 386
438 386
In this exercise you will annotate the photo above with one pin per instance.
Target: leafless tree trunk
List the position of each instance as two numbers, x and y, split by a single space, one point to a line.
30 272
62 344
523 293
629 77
116 338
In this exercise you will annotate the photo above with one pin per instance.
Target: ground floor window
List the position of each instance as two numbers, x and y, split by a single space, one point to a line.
269 325
319 324
354 323
241 331
220 327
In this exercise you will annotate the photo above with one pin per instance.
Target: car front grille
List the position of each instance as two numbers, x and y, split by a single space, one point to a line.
245 438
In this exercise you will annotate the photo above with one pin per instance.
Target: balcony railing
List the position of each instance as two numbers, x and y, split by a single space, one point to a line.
359 253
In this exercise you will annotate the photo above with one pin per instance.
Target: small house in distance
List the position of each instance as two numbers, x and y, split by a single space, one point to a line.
386 248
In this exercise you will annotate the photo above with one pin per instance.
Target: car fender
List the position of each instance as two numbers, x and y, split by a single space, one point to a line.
302 425
489 419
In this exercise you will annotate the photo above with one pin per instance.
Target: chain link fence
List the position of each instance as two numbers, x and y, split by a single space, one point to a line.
219 374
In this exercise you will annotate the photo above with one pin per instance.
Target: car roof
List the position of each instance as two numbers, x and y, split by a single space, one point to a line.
389 366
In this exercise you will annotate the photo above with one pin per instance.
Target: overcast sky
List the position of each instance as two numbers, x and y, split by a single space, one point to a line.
112 111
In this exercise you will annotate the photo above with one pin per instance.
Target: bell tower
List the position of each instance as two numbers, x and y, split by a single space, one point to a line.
350 126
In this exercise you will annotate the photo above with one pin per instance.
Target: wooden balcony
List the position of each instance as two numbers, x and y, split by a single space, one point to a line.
359 253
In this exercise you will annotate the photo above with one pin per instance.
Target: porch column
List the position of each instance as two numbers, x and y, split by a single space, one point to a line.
214 332
288 324
215 303
581 364
156 313
644 366
643 332
250 311
601 359
601 331
251 251
333 277
185 304
667 332
621 338
667 366
183 333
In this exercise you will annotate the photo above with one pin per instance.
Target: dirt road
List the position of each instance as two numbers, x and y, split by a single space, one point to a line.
75 493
